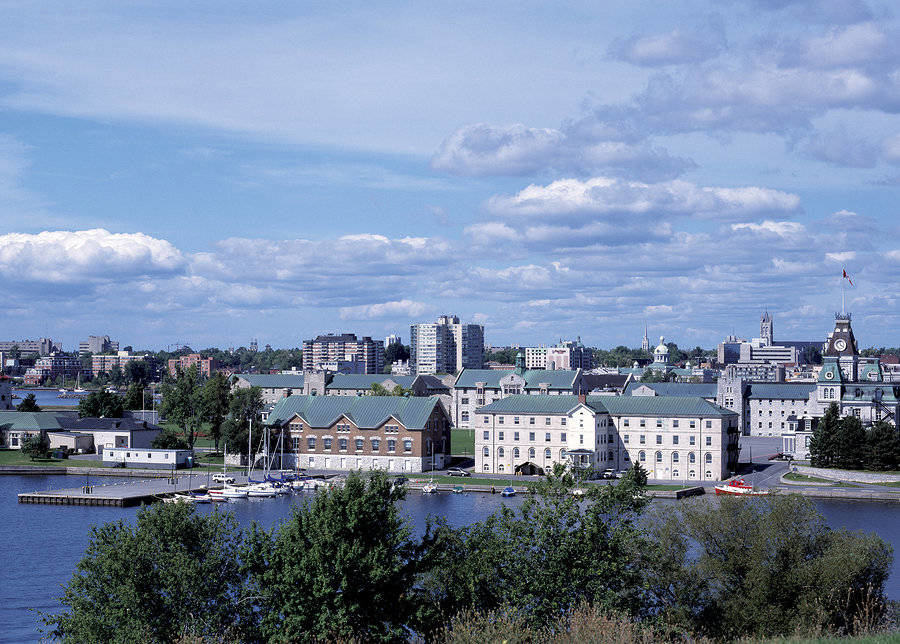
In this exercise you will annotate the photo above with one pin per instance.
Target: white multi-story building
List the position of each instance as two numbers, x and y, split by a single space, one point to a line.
566 356
673 438
446 346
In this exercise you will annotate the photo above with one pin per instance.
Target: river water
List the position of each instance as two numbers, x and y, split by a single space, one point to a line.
43 543
45 398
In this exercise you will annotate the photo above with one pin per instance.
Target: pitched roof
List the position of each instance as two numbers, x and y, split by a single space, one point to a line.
779 390
556 379
658 406
366 380
273 380
32 421
528 404
691 389
126 424
364 411
602 380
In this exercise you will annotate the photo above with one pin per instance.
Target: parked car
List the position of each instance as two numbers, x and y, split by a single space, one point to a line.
222 478
458 471
608 474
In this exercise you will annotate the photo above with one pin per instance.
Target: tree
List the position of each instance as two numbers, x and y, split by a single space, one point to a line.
882 449
378 389
342 568
174 574
395 352
762 567
169 440
182 402
216 400
28 404
850 444
15 352
137 372
134 397
116 376
246 405
657 375
101 404
636 475
36 446
822 443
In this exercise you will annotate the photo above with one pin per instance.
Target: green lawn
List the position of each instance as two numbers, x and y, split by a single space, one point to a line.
462 442
802 478
15 457
199 441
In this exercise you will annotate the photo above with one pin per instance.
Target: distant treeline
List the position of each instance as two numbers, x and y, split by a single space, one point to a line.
346 566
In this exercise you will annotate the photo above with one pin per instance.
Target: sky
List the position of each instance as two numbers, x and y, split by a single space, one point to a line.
212 172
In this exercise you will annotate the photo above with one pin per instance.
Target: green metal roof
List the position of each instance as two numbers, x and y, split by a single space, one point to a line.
31 421
781 390
556 379
870 372
867 391
366 380
658 406
365 412
690 389
833 367
527 404
273 381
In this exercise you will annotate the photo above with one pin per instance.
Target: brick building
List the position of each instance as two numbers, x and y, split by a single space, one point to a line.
205 366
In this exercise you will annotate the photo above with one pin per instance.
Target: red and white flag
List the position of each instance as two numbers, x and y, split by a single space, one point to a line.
847 277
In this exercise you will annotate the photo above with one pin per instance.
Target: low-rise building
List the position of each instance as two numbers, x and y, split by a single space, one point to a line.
673 438
149 458
274 386
17 426
109 433
392 433
71 441
49 368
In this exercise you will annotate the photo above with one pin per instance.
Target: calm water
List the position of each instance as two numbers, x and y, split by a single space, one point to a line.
43 543
45 397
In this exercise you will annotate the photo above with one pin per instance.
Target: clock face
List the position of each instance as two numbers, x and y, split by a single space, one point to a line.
829 375
840 344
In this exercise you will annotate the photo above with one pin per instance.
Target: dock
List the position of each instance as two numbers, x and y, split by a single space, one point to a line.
120 495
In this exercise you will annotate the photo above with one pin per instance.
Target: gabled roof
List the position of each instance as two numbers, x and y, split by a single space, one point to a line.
658 406
690 389
528 404
366 380
779 390
830 371
365 412
556 379
272 380
32 421
593 381
127 424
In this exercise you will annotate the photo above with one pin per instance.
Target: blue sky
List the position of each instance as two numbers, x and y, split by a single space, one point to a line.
217 172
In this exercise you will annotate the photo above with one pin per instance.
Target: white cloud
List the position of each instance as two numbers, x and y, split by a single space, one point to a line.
86 255
674 47
658 309
769 227
846 256
396 309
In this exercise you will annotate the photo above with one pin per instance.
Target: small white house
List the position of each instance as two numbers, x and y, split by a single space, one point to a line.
149 458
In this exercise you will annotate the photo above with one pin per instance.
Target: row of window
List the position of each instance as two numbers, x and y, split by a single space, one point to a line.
642 439
692 458
642 422
358 443
642 456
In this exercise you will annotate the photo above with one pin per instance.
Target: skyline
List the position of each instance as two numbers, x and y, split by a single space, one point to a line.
212 174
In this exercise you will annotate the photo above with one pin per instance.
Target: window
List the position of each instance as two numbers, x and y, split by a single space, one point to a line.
464 401
407 445
625 438
295 443
531 421
692 457
531 436
562 437
547 420
376 444
515 436
326 443
547 453
487 435
487 419
625 422
643 422
675 422
708 458
675 440
515 420
626 456
642 457
692 440
464 417
642 439
709 424
547 437
499 420
709 439
342 444
359 444
659 439
659 422
500 452
659 457
562 422
487 468
674 457
486 452
531 452
515 452
581 439
311 442
499 436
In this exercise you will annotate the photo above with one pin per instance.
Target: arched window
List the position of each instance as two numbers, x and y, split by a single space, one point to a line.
500 452
359 444
675 457
708 457
692 457
642 457
376 443
692 474
530 452
342 444
464 417
659 457
515 452
674 474
547 454
486 452
562 454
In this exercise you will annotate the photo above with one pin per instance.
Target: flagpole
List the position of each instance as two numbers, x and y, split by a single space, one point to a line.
843 272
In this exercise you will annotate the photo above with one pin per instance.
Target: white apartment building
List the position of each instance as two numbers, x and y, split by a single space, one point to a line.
446 346
673 438
566 356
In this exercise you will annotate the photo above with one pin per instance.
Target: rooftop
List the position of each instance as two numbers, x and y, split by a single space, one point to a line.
272 381
365 412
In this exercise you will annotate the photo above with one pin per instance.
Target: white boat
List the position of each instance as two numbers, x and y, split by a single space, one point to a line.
315 484
430 488
260 490
229 492
578 492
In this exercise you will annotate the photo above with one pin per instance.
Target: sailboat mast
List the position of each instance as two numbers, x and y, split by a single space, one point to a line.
249 448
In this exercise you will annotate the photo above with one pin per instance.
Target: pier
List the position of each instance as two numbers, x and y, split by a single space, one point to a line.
119 495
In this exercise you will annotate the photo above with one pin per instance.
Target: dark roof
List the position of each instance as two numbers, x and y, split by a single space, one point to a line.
343 337
363 411
779 390
603 380
691 389
432 382
273 381
111 424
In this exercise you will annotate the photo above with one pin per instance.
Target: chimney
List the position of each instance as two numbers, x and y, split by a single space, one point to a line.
582 398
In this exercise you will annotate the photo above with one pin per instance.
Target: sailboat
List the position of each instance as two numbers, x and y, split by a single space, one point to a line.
431 487
256 488
228 491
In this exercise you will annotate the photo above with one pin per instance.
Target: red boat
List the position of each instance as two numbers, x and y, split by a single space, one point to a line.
739 487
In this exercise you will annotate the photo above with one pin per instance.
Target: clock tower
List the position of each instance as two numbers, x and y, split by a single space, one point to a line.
841 345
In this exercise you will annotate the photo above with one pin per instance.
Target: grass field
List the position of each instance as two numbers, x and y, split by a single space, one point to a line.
462 442
802 478
15 457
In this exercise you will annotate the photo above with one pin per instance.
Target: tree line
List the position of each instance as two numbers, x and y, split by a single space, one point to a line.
845 444
347 566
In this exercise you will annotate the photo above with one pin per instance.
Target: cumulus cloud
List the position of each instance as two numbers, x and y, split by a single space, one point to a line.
86 255
674 47
605 196
769 227
396 309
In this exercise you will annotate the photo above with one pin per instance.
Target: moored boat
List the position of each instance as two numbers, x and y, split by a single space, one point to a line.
508 491
739 487
430 488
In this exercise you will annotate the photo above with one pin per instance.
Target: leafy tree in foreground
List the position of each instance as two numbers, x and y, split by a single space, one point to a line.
341 568
134 397
763 567
823 442
28 404
882 449
849 444
36 446
175 573
101 404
